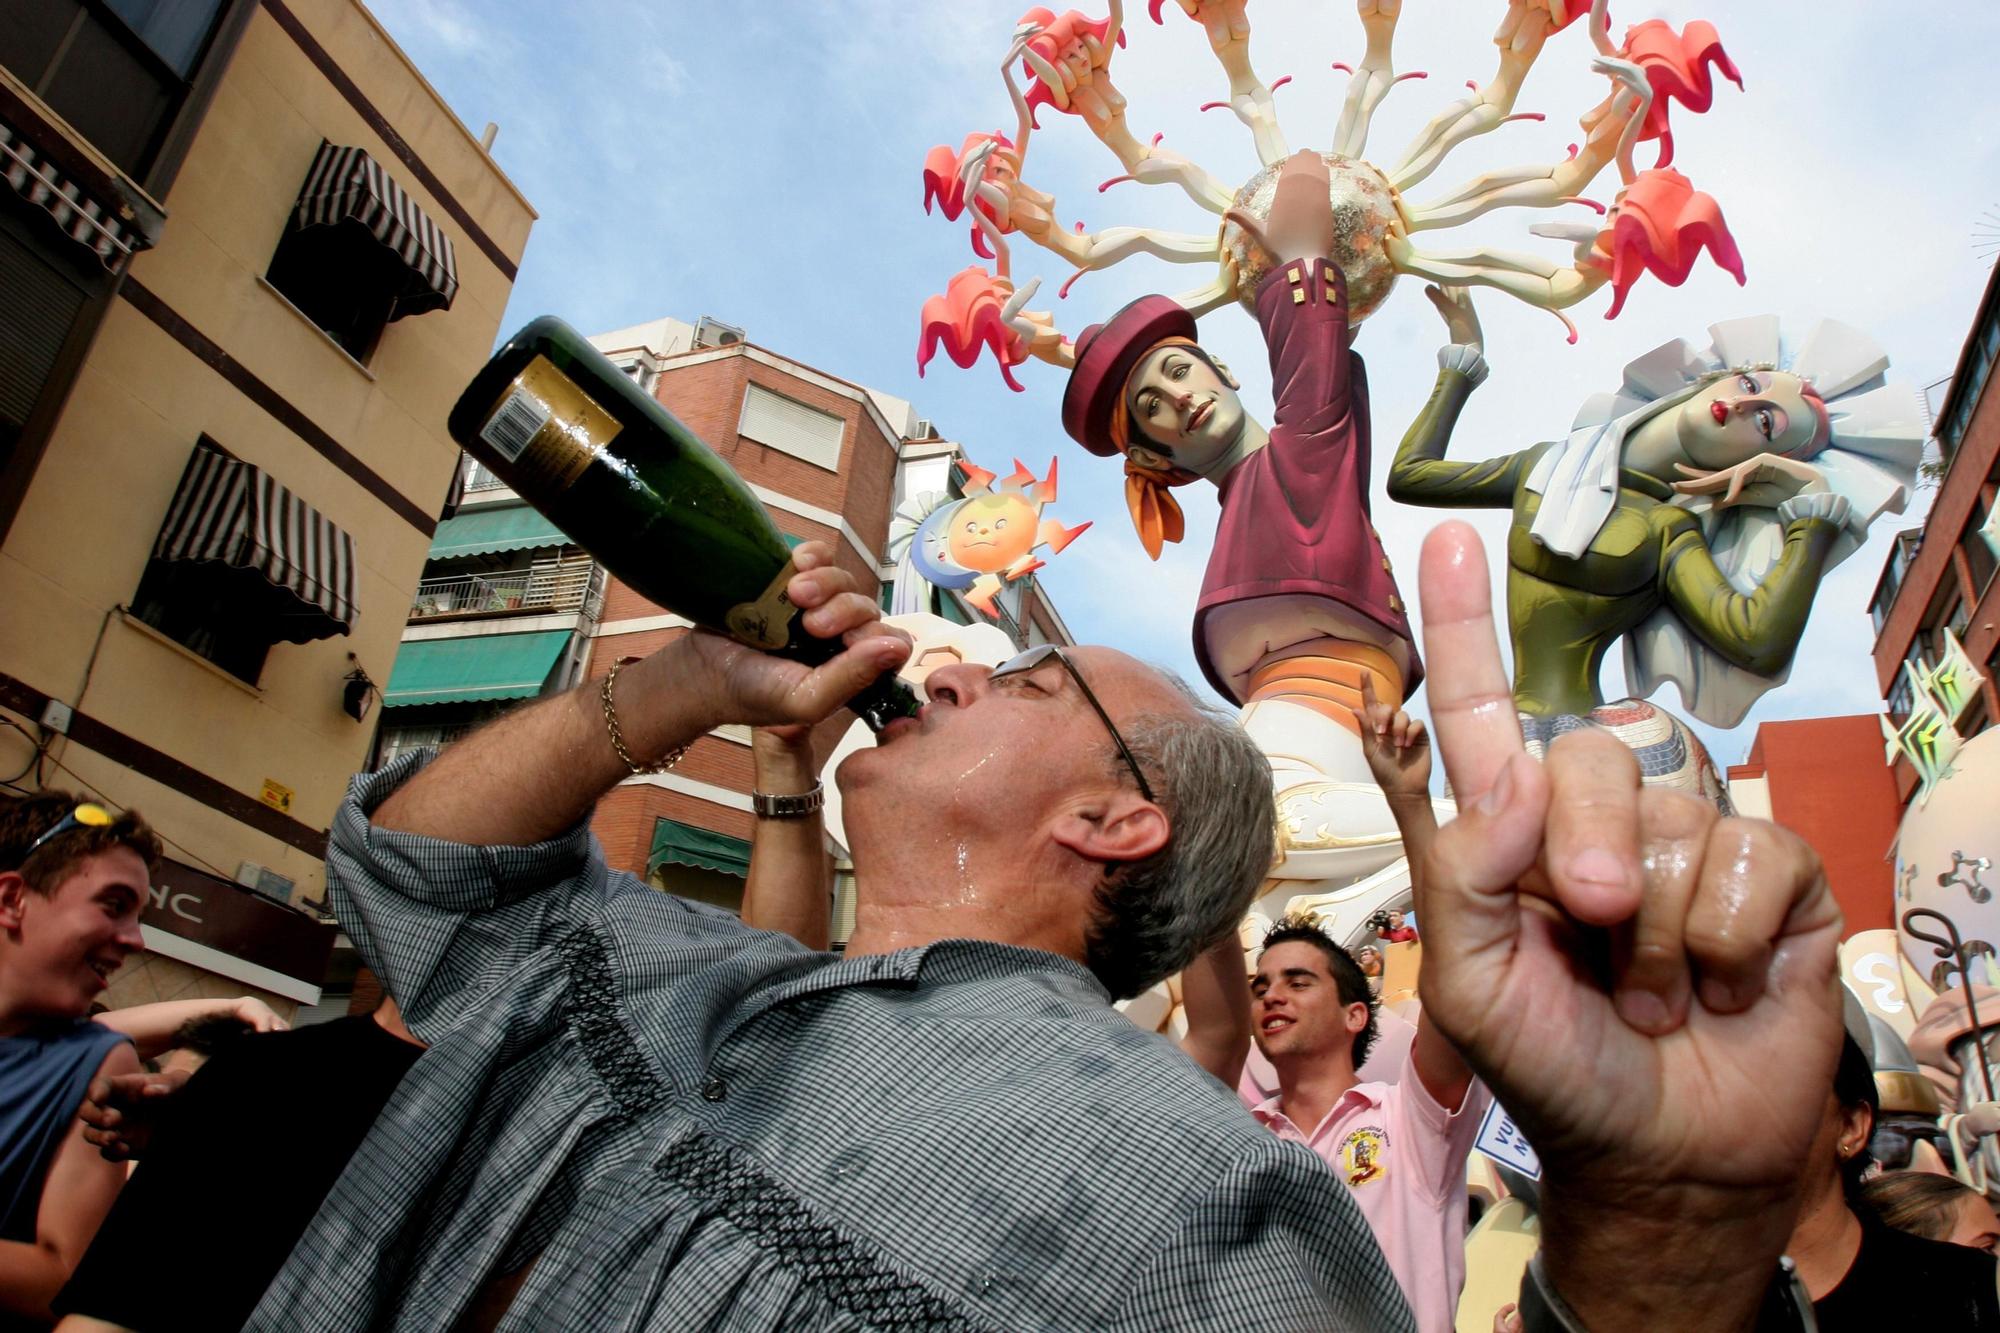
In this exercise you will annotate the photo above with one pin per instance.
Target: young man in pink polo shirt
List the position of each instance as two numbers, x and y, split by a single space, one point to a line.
1401 1147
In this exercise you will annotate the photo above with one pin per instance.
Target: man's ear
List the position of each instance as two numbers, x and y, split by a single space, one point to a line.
1146 458
13 899
1222 371
1356 1017
1114 829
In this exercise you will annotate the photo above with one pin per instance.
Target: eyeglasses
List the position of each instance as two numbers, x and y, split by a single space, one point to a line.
1034 657
86 815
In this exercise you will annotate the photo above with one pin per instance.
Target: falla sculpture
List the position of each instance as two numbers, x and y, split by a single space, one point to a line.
1300 605
976 543
1690 514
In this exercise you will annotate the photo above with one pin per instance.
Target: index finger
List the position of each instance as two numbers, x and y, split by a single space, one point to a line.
1472 701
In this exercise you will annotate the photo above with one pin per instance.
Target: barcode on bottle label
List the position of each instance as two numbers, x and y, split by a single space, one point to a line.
546 431
513 428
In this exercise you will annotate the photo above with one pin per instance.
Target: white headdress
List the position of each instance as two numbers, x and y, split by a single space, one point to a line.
1878 431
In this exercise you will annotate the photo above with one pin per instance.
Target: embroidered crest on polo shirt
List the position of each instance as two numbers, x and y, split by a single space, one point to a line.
1361 1155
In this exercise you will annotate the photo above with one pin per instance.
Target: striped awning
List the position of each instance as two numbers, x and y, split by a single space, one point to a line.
346 186
97 224
294 568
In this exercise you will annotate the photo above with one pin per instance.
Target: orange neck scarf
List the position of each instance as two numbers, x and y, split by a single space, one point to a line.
1156 515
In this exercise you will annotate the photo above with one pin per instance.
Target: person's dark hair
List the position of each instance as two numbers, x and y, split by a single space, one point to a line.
207 1035
1854 1085
1348 979
26 818
1918 1202
1154 917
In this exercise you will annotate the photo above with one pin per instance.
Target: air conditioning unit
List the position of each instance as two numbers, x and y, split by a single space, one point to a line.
265 881
714 333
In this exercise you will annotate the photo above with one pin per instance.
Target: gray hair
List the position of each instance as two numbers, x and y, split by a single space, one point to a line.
1154 917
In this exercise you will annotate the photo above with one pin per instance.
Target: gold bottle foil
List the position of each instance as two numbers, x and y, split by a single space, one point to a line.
547 428
767 622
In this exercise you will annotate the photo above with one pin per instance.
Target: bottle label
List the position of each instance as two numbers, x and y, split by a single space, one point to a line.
547 429
767 622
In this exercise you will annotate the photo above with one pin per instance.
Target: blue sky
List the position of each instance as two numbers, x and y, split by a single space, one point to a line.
760 162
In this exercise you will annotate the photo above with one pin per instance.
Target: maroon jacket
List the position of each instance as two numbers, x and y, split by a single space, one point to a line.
1295 513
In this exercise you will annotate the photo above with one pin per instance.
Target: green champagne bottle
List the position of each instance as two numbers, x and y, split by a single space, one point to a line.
611 467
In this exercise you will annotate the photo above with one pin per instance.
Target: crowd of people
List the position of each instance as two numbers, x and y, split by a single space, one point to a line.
584 1103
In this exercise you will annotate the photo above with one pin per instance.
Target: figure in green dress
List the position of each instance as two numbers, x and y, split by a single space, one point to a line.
1692 513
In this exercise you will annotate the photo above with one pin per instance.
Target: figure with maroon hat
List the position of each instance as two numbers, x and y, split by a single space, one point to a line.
1299 605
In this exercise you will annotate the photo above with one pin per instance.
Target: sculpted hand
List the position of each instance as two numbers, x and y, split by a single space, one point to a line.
1461 321
1638 979
739 684
1767 480
118 1112
1301 222
1396 746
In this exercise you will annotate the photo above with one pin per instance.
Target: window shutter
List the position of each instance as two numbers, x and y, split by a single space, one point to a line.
784 423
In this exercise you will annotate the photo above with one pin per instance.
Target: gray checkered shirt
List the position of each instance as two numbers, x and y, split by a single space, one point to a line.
690 1124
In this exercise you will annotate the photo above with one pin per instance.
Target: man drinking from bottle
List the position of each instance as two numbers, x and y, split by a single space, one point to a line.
637 1112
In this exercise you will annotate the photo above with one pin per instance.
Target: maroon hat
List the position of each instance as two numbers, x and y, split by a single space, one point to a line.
1106 355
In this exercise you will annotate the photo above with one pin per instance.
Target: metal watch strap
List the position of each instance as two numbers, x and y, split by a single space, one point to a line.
1787 1307
796 806
1541 1309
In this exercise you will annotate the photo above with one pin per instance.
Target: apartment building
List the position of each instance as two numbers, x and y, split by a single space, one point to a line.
250 259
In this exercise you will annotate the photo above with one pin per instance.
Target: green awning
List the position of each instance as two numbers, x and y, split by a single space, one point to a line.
486 531
686 845
486 666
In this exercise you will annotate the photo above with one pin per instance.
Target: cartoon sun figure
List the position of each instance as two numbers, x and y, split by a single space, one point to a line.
971 545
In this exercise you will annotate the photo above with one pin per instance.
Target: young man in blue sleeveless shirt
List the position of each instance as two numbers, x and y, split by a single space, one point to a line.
73 879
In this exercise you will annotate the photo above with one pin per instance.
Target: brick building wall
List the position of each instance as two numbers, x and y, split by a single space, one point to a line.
1949 575
709 787
1827 783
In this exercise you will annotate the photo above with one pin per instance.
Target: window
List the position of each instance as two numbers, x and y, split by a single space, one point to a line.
241 563
1980 557
784 423
358 253
117 70
43 303
192 605
1950 615
399 741
1902 697
1893 570
1982 354
345 282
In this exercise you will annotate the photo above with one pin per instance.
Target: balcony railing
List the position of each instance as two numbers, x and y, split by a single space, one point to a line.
479 479
525 590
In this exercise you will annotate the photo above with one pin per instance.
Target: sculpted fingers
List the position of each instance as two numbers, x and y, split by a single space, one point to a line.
1591 853
1653 986
1472 701
1757 884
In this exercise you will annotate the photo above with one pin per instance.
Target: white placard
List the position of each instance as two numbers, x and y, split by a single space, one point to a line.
1502 1140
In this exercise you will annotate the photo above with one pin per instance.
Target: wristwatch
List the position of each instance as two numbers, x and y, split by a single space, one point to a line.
768 806
1787 1307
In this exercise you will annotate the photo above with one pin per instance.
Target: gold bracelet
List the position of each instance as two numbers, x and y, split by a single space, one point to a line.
660 765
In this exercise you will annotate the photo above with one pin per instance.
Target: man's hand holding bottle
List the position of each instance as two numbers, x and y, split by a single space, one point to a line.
722 681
